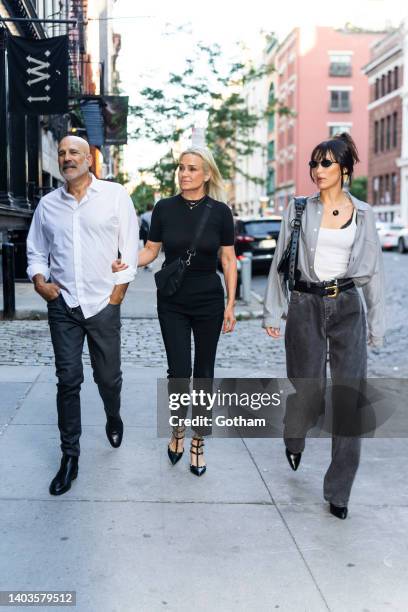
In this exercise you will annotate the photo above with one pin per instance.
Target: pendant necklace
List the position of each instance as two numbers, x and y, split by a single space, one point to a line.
192 204
336 211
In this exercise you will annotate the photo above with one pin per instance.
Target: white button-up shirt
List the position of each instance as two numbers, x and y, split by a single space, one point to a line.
74 243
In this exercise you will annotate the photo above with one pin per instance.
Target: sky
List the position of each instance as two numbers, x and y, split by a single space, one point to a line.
158 35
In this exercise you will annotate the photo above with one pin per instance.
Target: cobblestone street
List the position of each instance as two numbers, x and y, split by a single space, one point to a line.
28 342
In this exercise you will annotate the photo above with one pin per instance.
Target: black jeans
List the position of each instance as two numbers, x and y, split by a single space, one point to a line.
68 330
315 324
198 308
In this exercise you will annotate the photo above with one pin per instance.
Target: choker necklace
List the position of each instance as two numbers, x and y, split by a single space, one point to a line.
193 203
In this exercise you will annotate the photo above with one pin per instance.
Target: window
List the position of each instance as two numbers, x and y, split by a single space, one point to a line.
271 150
380 189
393 188
388 133
340 101
389 81
338 128
340 65
387 189
375 190
383 92
377 89
260 229
382 127
395 129
376 136
271 103
396 77
270 185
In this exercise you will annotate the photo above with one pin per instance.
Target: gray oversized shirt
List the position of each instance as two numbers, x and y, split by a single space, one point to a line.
365 265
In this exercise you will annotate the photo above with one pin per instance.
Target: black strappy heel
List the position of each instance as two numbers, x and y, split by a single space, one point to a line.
175 456
196 469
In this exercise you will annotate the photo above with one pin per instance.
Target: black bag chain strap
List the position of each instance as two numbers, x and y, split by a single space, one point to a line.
296 225
191 251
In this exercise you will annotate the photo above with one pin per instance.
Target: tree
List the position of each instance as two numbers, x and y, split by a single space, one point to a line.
141 196
359 188
203 87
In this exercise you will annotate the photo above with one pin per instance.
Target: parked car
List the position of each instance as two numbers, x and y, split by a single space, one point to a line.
392 235
257 235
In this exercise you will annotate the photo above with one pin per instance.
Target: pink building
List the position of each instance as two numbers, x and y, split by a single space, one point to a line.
318 75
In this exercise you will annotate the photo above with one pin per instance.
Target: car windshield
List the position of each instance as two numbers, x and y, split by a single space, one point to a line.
262 228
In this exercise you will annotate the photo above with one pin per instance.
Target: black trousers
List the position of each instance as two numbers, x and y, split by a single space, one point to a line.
68 331
198 309
316 326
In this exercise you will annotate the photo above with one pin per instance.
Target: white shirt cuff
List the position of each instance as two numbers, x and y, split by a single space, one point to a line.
38 268
124 276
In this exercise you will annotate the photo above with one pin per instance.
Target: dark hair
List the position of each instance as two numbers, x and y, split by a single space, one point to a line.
344 151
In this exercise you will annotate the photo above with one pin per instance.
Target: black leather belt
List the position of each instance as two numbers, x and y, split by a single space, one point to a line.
325 289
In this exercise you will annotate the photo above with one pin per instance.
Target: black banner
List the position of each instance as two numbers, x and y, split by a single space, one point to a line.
115 113
38 75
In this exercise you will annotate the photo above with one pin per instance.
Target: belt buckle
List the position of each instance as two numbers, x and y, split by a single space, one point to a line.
335 289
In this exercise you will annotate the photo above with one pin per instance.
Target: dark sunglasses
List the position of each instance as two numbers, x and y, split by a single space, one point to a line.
325 163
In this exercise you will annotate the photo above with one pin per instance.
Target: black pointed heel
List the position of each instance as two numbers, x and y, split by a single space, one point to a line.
339 512
175 456
293 459
198 470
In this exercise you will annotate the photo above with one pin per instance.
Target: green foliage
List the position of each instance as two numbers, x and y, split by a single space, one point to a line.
141 196
359 188
204 87
122 178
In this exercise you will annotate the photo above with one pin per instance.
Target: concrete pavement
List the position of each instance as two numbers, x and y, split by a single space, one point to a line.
137 534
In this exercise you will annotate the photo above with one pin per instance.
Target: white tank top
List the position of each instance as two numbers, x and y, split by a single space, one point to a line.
333 251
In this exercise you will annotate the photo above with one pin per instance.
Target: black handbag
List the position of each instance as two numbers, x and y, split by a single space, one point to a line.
288 263
170 277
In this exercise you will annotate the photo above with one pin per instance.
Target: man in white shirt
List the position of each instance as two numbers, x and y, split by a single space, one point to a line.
76 233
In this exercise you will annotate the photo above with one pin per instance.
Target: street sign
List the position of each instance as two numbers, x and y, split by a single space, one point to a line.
38 75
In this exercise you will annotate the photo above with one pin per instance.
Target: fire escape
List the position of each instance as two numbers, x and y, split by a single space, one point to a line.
85 93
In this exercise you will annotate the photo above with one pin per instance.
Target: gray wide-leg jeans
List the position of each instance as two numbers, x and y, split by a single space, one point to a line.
314 325
68 331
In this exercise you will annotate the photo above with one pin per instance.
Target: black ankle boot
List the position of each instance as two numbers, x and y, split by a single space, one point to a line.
293 459
114 431
68 471
339 512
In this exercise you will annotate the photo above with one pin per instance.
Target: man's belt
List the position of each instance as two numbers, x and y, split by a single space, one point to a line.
326 288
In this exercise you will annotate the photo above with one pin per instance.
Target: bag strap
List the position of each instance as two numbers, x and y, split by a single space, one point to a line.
204 218
296 224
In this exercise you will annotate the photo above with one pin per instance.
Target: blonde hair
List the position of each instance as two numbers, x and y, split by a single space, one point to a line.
214 187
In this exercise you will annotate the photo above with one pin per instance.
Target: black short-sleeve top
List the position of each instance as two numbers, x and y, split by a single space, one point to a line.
174 225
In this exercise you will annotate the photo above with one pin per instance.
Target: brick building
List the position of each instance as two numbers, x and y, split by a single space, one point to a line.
319 77
385 78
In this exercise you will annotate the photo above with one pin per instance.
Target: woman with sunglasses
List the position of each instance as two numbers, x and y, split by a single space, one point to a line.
338 251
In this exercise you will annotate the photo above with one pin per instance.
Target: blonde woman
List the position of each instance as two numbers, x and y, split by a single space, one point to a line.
198 306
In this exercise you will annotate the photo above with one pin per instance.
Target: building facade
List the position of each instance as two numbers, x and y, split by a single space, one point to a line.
319 78
28 143
385 79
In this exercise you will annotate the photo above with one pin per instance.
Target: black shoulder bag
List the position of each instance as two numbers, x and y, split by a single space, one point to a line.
170 277
288 263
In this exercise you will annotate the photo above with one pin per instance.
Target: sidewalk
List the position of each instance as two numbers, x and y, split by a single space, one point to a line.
135 534
140 301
